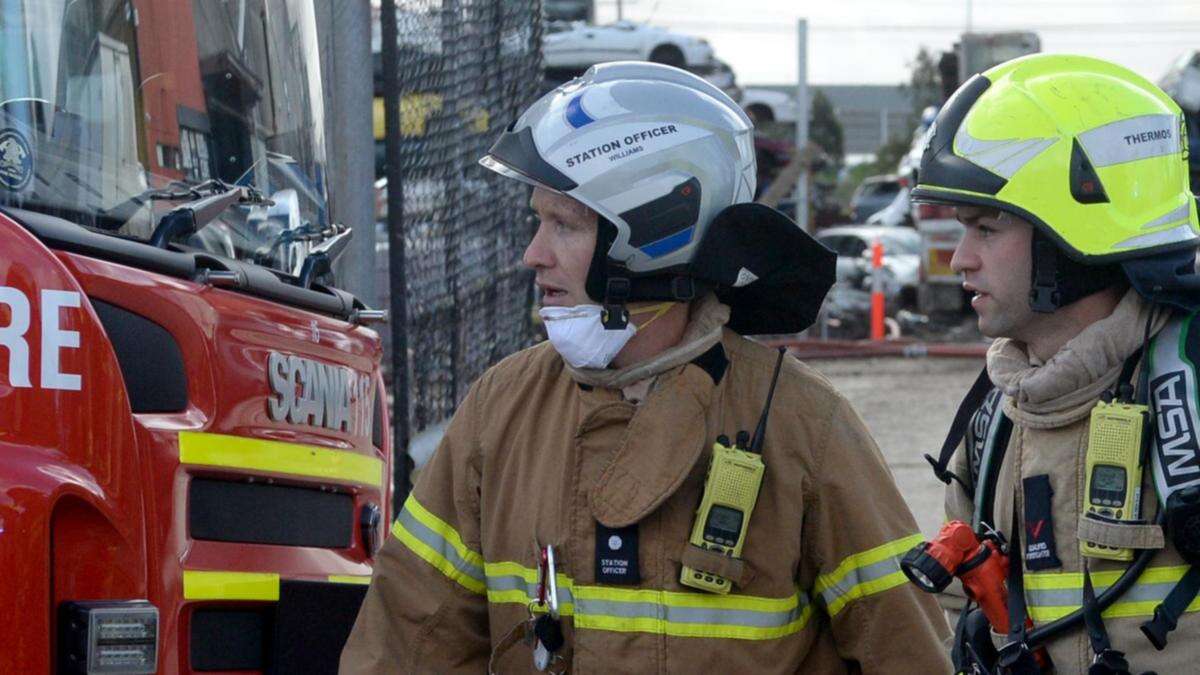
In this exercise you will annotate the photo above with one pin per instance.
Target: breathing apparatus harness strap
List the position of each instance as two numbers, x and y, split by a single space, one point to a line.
958 428
1181 505
1107 661
1016 657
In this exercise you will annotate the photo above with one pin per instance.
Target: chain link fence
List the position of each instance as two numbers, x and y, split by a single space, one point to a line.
466 69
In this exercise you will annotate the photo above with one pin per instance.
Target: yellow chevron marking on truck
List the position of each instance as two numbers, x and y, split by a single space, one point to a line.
308 461
205 585
350 579
214 585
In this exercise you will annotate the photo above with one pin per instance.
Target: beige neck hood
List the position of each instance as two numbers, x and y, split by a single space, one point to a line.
703 331
1065 389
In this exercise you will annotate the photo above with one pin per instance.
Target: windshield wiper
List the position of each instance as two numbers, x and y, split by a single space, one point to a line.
319 261
176 190
187 219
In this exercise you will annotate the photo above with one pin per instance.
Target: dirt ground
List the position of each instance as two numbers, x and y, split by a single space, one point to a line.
908 405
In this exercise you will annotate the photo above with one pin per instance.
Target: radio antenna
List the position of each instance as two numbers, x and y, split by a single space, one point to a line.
757 441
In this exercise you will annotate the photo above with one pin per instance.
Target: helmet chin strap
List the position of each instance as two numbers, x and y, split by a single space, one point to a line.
613 286
655 309
1058 280
1044 294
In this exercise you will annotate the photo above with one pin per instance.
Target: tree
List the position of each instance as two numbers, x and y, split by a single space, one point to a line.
924 83
824 129
887 157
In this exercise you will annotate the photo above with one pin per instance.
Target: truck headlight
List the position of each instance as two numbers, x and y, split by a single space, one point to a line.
107 636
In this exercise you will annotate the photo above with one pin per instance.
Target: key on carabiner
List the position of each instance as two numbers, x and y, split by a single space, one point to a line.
547 631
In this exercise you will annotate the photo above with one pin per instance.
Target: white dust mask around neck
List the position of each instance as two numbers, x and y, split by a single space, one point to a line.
579 336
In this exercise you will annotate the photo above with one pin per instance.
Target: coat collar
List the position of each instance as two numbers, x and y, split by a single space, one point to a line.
703 331
1065 388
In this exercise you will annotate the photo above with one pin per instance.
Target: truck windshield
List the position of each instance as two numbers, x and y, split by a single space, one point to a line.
111 110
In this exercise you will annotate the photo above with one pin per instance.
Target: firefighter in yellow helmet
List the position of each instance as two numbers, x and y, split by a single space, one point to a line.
1069 175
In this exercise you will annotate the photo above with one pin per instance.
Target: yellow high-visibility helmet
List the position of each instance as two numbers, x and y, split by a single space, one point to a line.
1090 153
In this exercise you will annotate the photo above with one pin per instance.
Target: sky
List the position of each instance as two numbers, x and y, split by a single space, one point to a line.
873 41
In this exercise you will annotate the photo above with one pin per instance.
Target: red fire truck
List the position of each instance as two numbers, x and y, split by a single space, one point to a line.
194 457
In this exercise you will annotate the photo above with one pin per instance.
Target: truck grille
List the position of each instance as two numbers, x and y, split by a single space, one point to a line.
256 513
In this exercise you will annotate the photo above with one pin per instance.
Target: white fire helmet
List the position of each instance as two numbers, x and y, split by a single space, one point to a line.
655 150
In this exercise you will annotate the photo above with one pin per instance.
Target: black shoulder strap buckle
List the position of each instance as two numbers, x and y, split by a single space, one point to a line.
940 469
1182 521
1109 662
1166 615
1156 629
1017 659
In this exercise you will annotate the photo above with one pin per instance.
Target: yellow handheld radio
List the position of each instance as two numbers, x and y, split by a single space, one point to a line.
735 475
1114 470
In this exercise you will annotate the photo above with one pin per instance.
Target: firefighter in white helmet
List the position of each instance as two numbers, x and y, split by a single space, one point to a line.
585 461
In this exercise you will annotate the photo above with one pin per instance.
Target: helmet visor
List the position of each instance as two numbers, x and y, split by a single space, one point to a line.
515 155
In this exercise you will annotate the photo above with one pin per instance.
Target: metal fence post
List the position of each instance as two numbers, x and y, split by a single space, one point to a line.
396 254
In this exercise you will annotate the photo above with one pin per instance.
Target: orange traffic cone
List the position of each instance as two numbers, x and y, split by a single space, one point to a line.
877 300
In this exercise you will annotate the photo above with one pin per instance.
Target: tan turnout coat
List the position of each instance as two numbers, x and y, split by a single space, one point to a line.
533 456
1050 405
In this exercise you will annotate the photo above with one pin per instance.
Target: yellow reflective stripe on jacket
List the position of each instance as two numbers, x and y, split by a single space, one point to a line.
440 545
1052 595
862 574
680 614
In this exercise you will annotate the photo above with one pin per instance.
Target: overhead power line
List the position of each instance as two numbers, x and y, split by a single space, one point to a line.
755 27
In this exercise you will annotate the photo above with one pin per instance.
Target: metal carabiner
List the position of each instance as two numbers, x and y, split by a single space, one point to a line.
551 581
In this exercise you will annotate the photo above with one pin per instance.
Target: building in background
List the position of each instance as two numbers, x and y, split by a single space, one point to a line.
870 115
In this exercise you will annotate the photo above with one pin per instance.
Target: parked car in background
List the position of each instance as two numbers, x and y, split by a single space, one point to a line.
874 194
901 257
566 10
721 76
579 45
899 212
941 288
766 105
910 162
